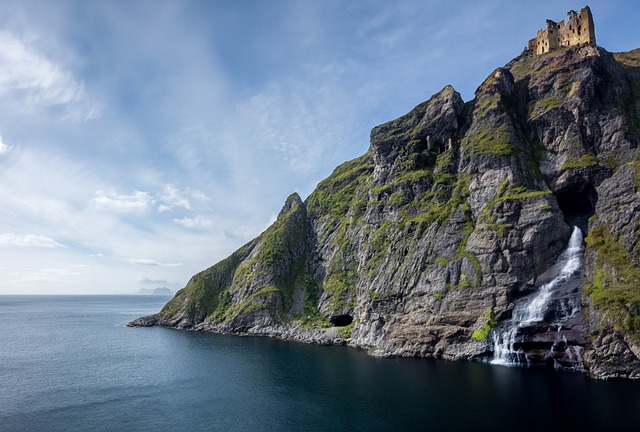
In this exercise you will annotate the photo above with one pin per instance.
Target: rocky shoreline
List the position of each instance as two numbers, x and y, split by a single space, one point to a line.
313 335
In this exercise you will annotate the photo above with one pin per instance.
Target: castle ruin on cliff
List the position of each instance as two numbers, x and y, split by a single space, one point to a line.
577 31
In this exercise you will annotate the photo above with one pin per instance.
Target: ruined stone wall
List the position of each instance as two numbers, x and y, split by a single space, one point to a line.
578 30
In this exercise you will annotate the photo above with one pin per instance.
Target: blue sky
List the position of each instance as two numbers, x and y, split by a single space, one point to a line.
143 141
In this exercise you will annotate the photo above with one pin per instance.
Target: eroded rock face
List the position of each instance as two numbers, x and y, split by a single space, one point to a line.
453 217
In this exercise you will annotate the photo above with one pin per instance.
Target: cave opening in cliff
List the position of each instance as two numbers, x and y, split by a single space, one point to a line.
578 203
341 320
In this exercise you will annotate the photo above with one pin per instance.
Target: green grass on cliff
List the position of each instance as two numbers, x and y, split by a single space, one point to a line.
614 284
507 193
483 332
490 140
629 58
337 193
547 104
586 160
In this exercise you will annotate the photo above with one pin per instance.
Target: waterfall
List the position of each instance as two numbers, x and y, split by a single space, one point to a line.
533 310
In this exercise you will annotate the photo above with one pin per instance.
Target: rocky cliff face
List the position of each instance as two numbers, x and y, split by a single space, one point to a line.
424 245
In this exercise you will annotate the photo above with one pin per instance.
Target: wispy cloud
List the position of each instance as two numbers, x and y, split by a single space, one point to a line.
152 263
197 222
4 147
171 198
29 74
299 130
199 196
138 201
28 240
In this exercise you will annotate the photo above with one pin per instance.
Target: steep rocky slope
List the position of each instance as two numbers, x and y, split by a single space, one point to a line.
424 245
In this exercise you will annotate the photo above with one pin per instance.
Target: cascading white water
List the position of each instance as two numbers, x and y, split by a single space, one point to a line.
572 258
533 310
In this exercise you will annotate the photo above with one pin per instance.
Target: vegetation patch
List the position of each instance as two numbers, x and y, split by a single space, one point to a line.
251 304
398 199
515 194
614 285
336 194
444 159
488 105
339 283
494 141
522 67
465 282
220 313
437 205
629 58
345 331
422 175
586 160
499 228
381 189
483 332
376 295
545 105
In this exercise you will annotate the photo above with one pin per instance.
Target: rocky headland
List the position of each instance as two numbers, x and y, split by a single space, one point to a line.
457 215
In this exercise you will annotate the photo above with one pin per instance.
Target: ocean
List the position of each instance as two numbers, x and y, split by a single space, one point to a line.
68 363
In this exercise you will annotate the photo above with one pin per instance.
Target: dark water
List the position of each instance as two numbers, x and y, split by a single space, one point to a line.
69 364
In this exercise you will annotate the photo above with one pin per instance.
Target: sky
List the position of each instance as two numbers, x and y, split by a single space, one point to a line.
144 141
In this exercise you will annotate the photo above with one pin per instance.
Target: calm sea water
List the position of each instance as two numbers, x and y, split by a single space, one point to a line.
69 364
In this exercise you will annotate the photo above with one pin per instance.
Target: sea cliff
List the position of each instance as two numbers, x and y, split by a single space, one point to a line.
425 245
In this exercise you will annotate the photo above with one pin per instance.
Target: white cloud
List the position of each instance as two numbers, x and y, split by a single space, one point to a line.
4 147
27 72
151 262
200 196
171 198
28 240
197 222
136 202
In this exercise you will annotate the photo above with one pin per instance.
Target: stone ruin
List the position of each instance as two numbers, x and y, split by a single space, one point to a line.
577 31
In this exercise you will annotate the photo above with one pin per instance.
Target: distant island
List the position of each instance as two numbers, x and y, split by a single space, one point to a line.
154 291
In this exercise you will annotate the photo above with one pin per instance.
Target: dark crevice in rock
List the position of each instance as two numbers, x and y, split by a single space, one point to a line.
341 320
578 203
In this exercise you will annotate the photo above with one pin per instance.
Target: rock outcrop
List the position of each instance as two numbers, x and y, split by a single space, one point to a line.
424 244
